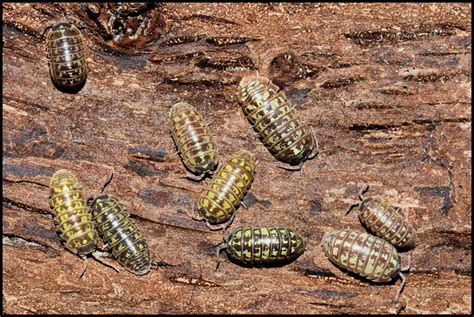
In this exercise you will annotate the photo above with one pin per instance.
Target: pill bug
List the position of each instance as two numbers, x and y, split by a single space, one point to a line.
251 245
271 114
386 222
364 254
121 234
66 58
194 140
229 185
72 217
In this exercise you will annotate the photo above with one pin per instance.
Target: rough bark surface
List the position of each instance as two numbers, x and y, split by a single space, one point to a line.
387 88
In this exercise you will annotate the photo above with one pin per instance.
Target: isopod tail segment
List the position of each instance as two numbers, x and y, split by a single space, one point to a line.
311 156
361 198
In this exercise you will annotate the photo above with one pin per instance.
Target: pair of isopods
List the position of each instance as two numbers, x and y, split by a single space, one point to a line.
373 257
80 224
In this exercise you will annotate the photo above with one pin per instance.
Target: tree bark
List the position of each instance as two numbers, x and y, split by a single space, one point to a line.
386 88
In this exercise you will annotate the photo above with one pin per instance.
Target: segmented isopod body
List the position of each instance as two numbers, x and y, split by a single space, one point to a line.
193 138
66 58
121 234
263 245
386 222
364 254
73 218
273 117
229 185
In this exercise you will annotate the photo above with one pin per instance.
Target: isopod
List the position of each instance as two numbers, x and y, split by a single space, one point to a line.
386 222
66 58
263 245
120 234
72 217
274 118
229 185
193 139
364 254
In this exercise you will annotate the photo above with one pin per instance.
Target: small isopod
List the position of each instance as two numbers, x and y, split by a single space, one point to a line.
66 58
274 118
194 140
121 234
263 245
217 204
72 217
386 222
364 254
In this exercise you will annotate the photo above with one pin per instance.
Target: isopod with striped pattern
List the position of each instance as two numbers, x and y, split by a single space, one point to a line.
66 57
364 254
274 119
121 234
386 222
251 245
194 140
217 203
71 215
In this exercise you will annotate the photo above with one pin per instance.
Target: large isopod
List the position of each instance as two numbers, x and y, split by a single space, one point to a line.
71 215
121 234
364 254
217 203
251 245
386 222
66 58
274 118
194 140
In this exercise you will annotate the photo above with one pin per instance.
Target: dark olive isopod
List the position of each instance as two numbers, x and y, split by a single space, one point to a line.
263 245
66 58
121 234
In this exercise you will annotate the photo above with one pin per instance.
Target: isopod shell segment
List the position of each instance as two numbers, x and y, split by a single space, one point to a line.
193 139
386 222
71 215
264 245
121 234
363 254
66 58
229 185
271 114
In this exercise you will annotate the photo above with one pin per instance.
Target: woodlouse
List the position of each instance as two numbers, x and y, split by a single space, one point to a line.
274 118
386 222
120 234
263 245
66 58
364 254
73 218
194 140
217 204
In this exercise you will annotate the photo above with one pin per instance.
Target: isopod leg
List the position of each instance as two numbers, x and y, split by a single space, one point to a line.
402 284
363 191
314 154
219 248
195 178
84 268
192 214
290 167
